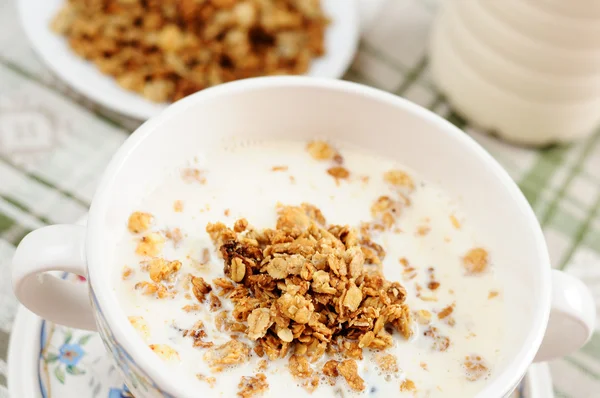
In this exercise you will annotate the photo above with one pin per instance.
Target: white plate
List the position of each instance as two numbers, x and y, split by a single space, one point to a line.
341 41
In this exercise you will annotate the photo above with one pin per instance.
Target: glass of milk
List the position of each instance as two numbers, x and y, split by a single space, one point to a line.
527 70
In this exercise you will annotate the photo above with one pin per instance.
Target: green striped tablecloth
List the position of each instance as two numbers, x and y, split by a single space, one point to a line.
55 144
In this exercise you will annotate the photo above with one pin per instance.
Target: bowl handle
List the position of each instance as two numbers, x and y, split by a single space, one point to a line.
53 248
572 317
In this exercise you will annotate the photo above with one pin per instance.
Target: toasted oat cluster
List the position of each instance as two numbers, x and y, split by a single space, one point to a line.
475 367
322 151
168 49
475 261
251 386
306 287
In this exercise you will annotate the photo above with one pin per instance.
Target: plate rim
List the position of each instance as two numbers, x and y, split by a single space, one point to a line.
23 348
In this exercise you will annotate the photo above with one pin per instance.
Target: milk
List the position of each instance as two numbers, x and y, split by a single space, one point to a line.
249 181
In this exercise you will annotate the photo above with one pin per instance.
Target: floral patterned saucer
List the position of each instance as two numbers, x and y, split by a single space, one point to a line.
51 361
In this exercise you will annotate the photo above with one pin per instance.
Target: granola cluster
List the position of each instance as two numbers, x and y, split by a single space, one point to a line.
307 288
475 261
475 367
322 151
251 386
168 49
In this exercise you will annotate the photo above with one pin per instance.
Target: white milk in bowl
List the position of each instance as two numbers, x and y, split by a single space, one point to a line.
282 268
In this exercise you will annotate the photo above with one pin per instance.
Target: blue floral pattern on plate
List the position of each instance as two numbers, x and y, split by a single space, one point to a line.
120 393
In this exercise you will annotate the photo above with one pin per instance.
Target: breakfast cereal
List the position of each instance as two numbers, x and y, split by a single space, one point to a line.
355 277
166 50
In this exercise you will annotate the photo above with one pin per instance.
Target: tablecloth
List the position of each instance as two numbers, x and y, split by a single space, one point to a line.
54 145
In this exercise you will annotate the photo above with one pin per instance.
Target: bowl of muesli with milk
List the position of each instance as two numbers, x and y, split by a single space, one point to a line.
298 236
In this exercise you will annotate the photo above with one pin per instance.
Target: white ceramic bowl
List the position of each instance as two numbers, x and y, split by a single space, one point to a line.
298 108
341 41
